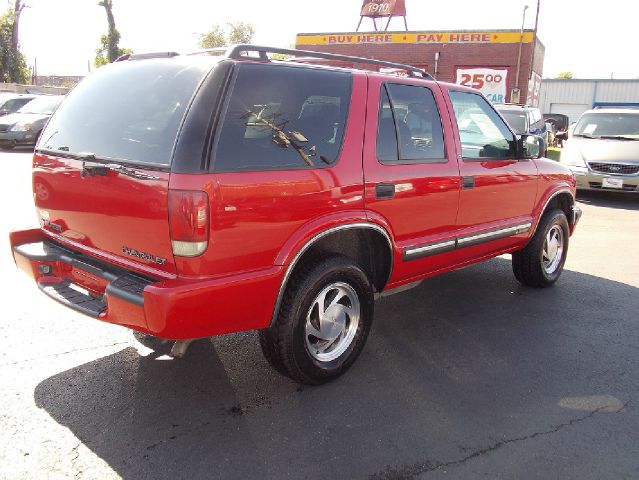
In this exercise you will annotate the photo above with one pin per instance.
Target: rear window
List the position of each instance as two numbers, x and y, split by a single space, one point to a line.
129 111
282 117
516 120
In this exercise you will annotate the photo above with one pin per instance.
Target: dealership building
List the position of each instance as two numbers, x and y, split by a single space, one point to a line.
497 62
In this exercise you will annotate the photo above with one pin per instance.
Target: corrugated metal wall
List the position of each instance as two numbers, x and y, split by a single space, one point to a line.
574 96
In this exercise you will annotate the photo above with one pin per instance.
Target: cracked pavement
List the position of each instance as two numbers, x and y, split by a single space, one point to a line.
468 375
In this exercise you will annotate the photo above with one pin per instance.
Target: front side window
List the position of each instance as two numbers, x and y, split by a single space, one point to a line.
537 124
409 126
483 134
281 118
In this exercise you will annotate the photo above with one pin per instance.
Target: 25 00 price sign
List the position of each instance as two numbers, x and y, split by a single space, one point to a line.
491 82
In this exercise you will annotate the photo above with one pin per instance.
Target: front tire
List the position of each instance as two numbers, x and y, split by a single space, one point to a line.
323 323
541 262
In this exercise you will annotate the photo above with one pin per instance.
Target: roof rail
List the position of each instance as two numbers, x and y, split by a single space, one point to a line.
221 51
144 56
236 51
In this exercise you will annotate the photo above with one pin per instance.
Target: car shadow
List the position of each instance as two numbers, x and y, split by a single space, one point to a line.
608 199
461 360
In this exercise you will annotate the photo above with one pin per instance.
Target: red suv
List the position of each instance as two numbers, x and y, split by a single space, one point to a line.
191 196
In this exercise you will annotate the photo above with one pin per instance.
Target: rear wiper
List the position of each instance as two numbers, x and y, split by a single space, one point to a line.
618 137
131 172
97 168
283 140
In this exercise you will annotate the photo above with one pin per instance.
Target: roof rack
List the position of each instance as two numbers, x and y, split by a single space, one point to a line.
144 56
236 52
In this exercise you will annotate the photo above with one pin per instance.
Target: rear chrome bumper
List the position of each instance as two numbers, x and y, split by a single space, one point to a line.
179 308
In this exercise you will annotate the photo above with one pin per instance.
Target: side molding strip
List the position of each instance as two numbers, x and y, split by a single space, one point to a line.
490 235
429 249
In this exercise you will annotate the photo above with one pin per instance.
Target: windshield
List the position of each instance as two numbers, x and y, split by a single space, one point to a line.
516 120
127 111
608 124
43 105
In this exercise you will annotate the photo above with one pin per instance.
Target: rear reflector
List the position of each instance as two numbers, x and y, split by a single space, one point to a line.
188 222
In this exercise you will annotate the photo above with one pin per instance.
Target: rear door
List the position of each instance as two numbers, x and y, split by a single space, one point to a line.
411 172
102 165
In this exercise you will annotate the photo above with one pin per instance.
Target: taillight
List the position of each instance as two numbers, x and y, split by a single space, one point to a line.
188 222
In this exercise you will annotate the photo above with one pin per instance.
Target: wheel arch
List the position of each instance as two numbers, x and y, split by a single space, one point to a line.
365 242
562 199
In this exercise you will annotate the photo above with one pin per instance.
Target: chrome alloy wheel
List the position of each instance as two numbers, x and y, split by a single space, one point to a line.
553 249
332 321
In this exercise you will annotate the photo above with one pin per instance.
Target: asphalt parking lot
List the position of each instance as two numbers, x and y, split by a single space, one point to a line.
468 375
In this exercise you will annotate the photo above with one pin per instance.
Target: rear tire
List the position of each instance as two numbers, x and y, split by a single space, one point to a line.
541 262
324 320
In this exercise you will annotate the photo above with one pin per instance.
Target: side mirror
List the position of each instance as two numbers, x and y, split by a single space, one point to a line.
530 146
3 112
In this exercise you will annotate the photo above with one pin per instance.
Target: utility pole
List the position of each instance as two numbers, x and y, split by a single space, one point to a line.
516 92
534 45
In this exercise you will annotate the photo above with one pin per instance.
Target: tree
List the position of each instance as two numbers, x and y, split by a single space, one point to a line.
240 32
214 38
109 50
565 75
13 67
218 36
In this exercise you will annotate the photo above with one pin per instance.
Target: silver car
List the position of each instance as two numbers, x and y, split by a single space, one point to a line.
603 150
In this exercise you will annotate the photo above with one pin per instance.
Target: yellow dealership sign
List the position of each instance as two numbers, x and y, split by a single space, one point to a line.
415 38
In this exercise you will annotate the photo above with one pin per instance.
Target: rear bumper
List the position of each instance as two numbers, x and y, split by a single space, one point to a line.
176 309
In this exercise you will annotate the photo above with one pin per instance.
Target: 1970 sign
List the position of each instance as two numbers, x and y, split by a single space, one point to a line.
384 8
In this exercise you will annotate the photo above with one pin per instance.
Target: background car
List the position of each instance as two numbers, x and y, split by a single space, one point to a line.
561 124
603 150
11 102
524 119
23 127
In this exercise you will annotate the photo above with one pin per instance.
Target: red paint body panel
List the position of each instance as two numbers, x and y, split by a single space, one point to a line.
105 212
260 221
254 214
177 308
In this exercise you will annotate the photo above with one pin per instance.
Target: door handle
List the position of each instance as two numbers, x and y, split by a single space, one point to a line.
384 190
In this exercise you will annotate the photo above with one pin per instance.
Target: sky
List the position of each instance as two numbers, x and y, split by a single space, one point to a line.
591 39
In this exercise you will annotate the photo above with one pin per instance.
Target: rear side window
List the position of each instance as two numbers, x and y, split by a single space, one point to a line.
128 111
281 118
409 126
